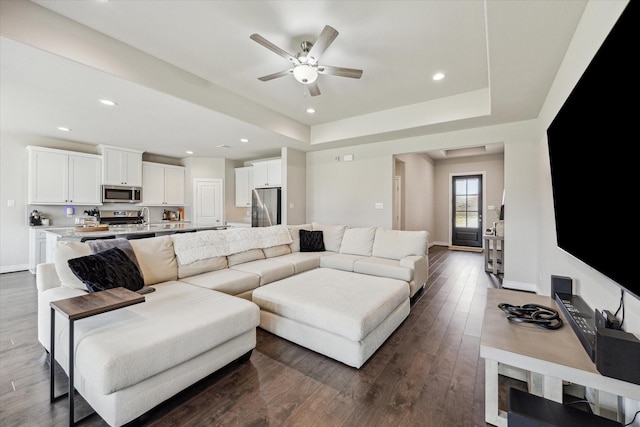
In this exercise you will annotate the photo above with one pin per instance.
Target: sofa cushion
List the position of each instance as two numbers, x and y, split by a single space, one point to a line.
63 252
311 241
269 270
332 235
202 266
383 267
108 269
340 261
276 251
156 258
303 261
175 324
227 280
397 244
358 241
246 256
294 230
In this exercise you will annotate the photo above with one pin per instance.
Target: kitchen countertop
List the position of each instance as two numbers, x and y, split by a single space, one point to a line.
159 229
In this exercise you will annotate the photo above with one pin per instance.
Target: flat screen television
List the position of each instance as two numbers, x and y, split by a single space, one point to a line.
593 142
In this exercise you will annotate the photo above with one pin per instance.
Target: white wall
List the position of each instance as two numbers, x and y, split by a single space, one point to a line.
340 192
418 195
294 178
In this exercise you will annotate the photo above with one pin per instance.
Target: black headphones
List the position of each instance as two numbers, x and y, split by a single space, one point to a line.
542 316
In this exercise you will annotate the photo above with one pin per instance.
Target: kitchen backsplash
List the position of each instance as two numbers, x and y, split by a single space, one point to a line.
57 215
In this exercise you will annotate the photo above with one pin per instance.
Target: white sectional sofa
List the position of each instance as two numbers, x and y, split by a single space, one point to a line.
203 313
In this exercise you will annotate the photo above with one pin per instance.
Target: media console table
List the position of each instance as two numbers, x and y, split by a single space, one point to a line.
548 356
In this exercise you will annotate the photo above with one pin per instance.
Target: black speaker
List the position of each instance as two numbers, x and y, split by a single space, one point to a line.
527 410
618 354
561 285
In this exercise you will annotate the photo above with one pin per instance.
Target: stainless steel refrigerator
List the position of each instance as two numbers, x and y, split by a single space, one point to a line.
265 207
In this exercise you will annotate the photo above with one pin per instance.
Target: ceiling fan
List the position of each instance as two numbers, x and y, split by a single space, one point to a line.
305 63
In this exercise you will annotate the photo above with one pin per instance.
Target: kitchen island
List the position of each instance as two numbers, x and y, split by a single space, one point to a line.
121 231
124 231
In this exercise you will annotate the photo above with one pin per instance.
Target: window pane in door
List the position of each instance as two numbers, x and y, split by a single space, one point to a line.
461 187
461 220
473 186
472 220
472 203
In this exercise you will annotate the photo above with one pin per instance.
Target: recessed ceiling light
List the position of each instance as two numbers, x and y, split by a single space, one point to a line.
108 102
223 146
189 152
244 140
64 129
310 110
438 76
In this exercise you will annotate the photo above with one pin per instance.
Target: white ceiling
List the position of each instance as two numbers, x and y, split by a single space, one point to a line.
185 73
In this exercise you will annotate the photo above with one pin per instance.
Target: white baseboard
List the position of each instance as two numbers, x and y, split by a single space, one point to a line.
14 268
520 286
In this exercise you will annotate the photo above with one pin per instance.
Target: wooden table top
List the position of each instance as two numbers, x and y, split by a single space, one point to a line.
558 353
97 302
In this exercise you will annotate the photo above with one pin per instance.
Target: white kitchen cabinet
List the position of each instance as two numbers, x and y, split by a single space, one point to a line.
244 184
162 185
267 173
37 248
58 177
121 166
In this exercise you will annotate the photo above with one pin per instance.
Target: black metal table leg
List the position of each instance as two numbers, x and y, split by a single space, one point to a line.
52 358
71 386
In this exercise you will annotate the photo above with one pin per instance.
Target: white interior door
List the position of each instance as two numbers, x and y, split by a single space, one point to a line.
208 202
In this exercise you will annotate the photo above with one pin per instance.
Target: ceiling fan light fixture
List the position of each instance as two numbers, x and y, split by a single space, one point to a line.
305 74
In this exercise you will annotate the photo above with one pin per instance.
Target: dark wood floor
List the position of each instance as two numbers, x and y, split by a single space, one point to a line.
428 373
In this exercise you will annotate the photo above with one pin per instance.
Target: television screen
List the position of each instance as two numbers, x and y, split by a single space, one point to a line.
592 145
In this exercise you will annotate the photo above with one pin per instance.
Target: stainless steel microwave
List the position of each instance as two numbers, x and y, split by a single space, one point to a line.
121 194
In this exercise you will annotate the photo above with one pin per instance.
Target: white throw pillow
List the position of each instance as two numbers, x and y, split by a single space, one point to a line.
358 241
63 252
294 230
397 244
332 235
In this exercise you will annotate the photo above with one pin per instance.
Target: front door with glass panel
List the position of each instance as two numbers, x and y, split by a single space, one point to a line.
467 211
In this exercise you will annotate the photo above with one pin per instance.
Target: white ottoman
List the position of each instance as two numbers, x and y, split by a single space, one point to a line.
341 314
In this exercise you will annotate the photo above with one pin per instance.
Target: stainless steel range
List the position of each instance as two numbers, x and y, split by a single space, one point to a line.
121 217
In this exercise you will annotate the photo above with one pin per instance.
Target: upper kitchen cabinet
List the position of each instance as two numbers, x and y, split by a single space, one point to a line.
121 166
58 177
162 185
244 184
267 173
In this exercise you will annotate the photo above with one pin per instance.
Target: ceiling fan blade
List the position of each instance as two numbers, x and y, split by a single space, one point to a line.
326 37
340 71
313 88
275 75
272 47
